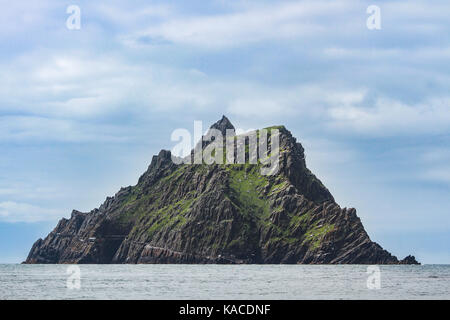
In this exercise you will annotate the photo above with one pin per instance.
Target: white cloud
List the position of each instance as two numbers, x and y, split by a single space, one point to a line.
66 88
20 17
22 212
435 155
13 190
440 174
404 55
391 117
312 100
249 24
35 128
132 15
87 86
434 163
257 107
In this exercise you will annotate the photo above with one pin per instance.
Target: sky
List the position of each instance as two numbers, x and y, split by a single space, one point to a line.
82 111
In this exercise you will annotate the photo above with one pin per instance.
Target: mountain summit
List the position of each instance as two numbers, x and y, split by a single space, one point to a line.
219 213
222 125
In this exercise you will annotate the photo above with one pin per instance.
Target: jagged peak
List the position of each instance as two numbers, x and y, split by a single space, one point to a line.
164 154
222 125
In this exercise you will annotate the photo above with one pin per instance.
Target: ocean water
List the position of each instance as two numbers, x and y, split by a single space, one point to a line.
224 282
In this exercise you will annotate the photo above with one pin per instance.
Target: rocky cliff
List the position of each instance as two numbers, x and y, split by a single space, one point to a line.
220 213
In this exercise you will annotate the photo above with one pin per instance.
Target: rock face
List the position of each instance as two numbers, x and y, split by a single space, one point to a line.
220 213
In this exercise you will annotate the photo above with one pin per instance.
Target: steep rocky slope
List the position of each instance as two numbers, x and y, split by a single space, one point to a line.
221 213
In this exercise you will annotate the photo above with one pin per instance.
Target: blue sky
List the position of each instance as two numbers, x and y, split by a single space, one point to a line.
83 111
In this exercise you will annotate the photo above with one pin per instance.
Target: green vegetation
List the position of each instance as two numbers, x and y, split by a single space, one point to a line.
314 236
246 185
274 127
279 186
171 215
152 211
303 220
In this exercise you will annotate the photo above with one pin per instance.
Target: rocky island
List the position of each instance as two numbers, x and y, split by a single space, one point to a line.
219 213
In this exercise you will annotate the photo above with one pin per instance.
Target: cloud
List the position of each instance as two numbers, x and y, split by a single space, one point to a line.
435 154
22 212
339 74
250 22
25 190
132 16
20 17
40 129
83 86
245 26
311 100
391 117
441 174
434 163
67 94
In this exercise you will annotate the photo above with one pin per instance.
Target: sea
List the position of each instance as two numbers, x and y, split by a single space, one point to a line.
228 282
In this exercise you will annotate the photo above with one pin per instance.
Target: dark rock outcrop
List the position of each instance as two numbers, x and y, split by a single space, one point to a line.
220 213
409 260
